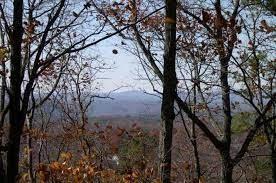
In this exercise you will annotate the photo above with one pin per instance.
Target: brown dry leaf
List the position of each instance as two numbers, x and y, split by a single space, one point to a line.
24 178
266 26
186 166
42 167
55 166
43 176
3 53
120 132
201 180
66 156
91 171
135 174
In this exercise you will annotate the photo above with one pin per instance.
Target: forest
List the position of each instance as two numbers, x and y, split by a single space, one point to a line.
206 66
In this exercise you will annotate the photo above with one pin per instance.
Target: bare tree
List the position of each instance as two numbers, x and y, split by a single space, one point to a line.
220 25
169 91
35 46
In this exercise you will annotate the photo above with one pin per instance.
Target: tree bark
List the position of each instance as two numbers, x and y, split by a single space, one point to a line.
196 155
227 168
224 58
15 118
227 172
29 124
273 165
169 91
2 108
13 152
194 140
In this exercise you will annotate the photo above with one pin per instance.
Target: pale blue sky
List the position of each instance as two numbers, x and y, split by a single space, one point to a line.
124 72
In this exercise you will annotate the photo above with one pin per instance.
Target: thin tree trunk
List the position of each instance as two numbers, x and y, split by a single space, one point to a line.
165 144
273 165
194 140
227 169
2 107
29 116
273 151
224 58
2 168
196 155
2 165
30 152
169 91
270 136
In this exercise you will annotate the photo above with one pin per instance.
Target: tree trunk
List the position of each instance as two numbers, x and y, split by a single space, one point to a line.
194 140
13 152
227 168
2 107
30 152
227 174
197 160
165 145
15 118
273 165
169 91
2 165
224 58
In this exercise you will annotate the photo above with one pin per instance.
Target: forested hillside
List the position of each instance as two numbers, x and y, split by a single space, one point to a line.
199 104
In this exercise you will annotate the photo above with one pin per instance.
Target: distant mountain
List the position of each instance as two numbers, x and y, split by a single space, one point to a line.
138 103
131 103
134 95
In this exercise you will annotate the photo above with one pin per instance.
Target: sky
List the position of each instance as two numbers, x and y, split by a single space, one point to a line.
123 74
